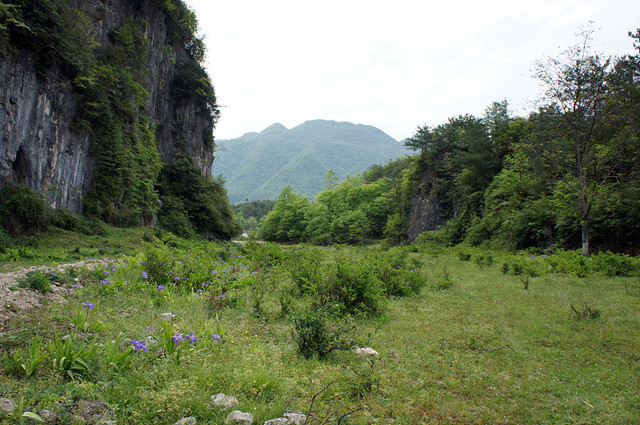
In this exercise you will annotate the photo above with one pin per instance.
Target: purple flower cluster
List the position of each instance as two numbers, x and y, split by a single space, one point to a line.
89 305
139 345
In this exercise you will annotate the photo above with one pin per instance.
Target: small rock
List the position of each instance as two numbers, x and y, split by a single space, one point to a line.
224 400
365 351
7 405
47 415
187 421
96 411
238 417
277 421
394 354
167 316
106 422
295 417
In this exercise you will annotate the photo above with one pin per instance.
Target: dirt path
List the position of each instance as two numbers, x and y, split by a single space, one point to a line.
13 301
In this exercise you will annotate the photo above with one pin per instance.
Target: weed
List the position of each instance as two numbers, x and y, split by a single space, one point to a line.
585 311
72 355
37 281
25 362
632 288
439 279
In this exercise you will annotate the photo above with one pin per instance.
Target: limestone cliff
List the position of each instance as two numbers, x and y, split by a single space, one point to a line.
40 146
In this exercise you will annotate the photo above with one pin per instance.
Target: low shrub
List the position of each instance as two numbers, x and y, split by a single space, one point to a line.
317 336
37 281
352 288
22 211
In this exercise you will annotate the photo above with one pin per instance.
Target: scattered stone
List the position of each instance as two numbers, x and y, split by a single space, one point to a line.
394 354
167 316
95 411
295 417
187 421
224 400
277 421
47 416
365 351
238 417
7 405
106 422
289 418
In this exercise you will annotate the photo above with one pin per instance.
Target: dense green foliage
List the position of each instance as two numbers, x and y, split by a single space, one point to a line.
193 204
258 165
248 214
347 212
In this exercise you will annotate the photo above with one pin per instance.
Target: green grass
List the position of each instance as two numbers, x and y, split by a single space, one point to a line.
482 350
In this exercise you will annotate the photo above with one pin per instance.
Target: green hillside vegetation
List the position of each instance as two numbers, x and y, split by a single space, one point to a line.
258 165
108 84
565 177
462 336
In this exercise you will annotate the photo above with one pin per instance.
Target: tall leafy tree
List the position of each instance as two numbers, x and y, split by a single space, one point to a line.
569 137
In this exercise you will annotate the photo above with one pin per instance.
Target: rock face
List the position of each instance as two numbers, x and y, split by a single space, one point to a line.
38 147
425 213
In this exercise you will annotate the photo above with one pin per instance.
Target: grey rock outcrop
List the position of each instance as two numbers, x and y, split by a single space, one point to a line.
38 146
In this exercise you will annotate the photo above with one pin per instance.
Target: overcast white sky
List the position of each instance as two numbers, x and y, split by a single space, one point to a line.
393 64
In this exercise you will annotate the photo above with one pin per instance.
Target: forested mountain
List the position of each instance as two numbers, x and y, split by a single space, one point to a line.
258 165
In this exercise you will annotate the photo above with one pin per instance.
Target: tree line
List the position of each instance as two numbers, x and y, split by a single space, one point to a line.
565 176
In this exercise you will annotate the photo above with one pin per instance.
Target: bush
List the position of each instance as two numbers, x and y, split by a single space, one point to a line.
571 263
316 336
22 211
614 264
352 289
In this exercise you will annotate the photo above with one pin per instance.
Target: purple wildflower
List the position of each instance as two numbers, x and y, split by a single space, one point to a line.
89 305
145 275
216 337
139 345
192 338
105 281
161 287
177 338
76 286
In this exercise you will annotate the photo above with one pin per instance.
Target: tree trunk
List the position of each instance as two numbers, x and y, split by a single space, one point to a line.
585 237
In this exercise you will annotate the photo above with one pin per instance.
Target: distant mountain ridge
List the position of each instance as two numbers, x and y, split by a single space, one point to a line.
257 166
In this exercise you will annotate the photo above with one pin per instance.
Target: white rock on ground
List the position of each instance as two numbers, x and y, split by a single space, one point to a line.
187 421
238 417
289 418
7 405
167 316
365 351
224 400
295 417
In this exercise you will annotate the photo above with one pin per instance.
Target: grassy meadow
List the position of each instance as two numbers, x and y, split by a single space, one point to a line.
463 336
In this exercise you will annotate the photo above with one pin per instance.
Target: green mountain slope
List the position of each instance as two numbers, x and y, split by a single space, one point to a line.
258 165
